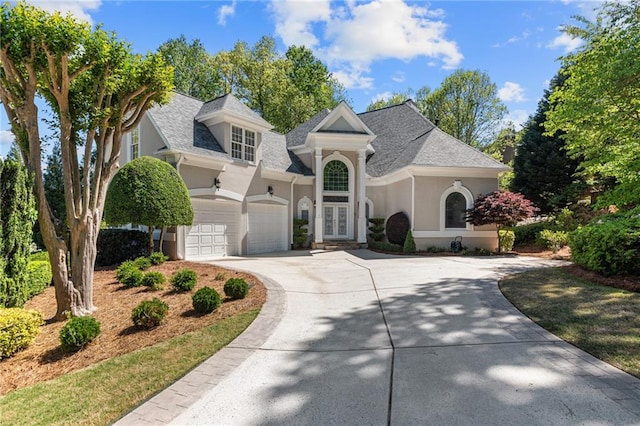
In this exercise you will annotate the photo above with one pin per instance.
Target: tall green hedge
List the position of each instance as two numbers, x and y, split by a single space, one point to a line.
17 215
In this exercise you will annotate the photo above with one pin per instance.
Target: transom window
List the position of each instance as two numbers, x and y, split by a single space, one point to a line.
135 143
243 144
336 176
455 211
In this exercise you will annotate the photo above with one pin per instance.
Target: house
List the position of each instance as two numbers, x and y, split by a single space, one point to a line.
247 183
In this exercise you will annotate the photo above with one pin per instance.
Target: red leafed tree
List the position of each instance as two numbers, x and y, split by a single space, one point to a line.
502 208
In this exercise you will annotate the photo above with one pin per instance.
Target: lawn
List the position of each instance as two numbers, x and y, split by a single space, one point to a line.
599 319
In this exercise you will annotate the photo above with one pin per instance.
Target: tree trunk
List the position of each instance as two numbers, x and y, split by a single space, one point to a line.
151 245
83 257
499 241
162 232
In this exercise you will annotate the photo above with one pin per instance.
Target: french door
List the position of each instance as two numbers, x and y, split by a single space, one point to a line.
335 221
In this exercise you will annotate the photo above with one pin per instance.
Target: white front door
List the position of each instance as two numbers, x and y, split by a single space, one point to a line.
335 221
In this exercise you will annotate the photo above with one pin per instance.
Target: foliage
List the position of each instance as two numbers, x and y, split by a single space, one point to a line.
38 277
17 215
206 300
149 313
132 277
184 280
527 234
376 228
434 249
385 246
154 280
500 208
157 258
117 245
609 245
148 191
98 90
299 232
597 107
124 268
18 329
78 332
220 276
236 288
409 243
554 240
543 170
143 263
507 239
397 227
395 98
54 186
476 252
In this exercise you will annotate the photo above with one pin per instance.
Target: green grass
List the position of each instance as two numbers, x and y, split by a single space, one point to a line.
106 391
601 320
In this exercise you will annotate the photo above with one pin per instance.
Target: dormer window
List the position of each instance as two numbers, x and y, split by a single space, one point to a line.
243 144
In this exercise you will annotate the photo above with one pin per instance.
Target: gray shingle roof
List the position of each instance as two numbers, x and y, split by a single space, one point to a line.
176 122
232 104
276 156
298 136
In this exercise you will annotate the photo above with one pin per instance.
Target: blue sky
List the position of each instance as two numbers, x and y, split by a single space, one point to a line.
374 47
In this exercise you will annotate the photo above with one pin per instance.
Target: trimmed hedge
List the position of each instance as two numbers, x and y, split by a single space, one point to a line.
18 329
507 238
78 332
39 277
206 300
117 245
397 227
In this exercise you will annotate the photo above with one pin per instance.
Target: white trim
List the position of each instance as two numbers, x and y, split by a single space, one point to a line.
191 159
336 155
266 197
225 116
309 203
369 202
343 110
455 187
452 233
216 194
454 172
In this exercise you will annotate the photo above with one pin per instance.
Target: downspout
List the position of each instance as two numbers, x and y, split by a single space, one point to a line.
179 229
413 197
295 178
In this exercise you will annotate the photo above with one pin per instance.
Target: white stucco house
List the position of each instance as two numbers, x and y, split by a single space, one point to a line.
247 183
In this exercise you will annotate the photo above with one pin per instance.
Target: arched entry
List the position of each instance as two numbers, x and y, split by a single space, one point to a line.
337 207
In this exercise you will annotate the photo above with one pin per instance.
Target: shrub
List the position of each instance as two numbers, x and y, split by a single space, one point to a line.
434 249
376 228
527 234
397 227
78 332
609 244
158 258
206 300
220 276
409 243
384 246
184 280
117 245
507 238
143 263
476 252
149 313
236 288
18 329
39 256
554 240
154 280
39 277
300 235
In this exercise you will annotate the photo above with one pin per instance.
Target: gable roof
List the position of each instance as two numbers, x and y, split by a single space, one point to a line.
298 136
276 156
230 104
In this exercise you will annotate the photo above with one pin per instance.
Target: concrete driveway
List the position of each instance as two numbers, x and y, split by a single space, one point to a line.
362 338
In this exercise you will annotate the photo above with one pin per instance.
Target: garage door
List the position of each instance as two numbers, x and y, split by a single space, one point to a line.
215 230
267 228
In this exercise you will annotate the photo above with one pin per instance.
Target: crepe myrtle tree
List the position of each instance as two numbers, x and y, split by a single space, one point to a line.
500 208
148 191
97 90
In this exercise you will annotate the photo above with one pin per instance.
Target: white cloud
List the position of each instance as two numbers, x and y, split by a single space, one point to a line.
518 117
384 96
81 9
351 35
566 42
226 11
511 92
398 77
6 137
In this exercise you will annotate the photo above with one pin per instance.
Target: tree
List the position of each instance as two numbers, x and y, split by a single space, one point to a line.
597 107
148 191
195 72
395 99
54 186
500 208
466 106
543 170
17 215
98 91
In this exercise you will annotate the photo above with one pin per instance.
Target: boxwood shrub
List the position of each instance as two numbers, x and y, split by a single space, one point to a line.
236 288
184 280
154 280
157 258
149 313
18 329
78 332
206 300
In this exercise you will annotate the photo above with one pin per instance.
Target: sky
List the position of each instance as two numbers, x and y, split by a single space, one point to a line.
374 47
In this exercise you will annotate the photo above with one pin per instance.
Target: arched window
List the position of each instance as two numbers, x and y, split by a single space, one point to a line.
336 176
455 209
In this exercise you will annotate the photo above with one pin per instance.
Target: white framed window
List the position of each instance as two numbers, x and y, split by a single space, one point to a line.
134 149
454 203
305 211
243 144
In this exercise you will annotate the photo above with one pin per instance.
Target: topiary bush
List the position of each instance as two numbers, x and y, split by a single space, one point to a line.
78 332
157 258
117 245
206 300
184 280
397 227
376 228
554 240
38 277
149 313
154 280
143 263
507 238
18 329
300 235
409 243
236 288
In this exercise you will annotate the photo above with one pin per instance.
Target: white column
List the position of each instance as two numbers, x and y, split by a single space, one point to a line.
319 224
362 220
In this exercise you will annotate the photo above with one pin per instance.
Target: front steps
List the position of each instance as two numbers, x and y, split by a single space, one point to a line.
338 245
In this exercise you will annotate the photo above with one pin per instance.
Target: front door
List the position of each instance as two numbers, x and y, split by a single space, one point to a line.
335 221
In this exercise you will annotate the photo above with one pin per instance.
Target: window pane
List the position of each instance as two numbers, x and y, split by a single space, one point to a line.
336 176
304 215
249 153
455 209
236 134
249 138
236 150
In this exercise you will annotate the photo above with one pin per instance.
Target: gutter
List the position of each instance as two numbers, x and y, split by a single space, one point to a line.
293 181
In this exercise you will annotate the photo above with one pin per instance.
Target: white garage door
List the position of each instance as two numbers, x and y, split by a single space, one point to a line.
267 228
215 230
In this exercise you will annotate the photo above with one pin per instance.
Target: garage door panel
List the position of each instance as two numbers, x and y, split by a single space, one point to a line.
266 228
214 232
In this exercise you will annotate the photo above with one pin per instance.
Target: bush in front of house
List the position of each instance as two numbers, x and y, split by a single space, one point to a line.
397 227
114 246
554 240
528 234
384 246
143 263
149 313
18 329
507 238
38 277
157 258
409 243
153 280
376 228
206 300
184 280
78 332
236 288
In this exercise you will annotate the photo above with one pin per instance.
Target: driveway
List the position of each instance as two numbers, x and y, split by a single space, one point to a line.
363 338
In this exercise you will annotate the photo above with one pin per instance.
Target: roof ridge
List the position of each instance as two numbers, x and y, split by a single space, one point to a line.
472 147
409 146
386 107
186 95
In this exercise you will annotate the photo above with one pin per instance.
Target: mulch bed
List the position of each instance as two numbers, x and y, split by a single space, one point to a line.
45 360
